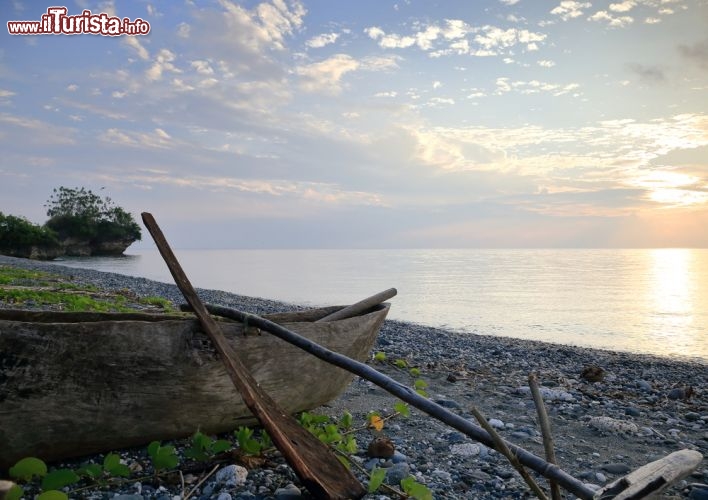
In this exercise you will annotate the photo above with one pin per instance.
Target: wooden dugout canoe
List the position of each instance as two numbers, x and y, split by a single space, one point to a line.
73 384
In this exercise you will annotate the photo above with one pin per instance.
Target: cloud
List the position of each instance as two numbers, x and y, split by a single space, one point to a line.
648 74
569 9
697 53
134 43
624 6
505 85
265 26
322 40
72 87
6 93
509 2
163 62
202 67
184 30
613 22
156 139
326 75
33 131
545 63
493 39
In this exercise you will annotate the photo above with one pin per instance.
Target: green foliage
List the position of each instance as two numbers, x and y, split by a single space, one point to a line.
380 357
59 478
416 490
53 495
247 443
402 408
415 372
80 213
401 363
112 465
15 493
420 385
346 421
376 479
18 234
27 468
204 448
163 457
91 471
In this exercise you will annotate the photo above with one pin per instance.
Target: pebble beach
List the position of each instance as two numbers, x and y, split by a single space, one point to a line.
635 409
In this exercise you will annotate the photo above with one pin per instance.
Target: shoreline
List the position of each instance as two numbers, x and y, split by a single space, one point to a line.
490 373
263 305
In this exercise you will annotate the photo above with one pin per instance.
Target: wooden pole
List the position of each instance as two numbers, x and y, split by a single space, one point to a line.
545 431
408 395
315 464
359 307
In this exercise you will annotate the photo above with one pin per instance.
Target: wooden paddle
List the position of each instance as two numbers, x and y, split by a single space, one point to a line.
359 307
315 464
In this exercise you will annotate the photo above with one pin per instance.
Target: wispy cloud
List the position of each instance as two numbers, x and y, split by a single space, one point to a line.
569 9
322 40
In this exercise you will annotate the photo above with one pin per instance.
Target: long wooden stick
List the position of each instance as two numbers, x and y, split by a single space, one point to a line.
502 448
545 430
408 395
315 464
359 307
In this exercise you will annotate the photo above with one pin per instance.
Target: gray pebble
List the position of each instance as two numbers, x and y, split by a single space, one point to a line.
616 468
645 386
224 496
397 473
289 492
128 497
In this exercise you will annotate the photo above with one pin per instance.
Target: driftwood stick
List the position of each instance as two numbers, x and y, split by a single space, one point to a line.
545 431
315 464
502 448
408 395
359 307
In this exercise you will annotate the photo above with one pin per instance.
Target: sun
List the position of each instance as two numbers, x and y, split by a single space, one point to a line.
673 189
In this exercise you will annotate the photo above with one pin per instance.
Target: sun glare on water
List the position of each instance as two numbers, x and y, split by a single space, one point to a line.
672 292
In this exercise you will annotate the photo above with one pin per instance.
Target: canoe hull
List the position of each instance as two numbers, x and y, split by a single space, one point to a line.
75 384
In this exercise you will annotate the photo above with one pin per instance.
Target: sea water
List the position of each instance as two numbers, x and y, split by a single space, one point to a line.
648 301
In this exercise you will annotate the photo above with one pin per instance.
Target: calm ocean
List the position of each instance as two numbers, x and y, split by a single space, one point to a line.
649 301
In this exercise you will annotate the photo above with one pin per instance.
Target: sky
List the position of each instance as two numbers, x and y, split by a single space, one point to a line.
369 124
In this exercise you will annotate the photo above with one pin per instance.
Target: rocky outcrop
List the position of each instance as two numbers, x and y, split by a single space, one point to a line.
72 247
75 247
35 252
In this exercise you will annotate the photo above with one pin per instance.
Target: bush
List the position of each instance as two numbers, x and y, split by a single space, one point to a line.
18 233
79 213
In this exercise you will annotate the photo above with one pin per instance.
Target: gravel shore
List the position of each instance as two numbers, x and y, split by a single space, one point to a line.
644 408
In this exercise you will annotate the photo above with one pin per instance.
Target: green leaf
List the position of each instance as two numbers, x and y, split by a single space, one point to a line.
112 465
265 440
400 363
15 493
90 470
201 441
376 479
152 449
53 495
59 478
220 446
27 468
415 372
420 384
380 356
165 458
414 489
402 408
346 421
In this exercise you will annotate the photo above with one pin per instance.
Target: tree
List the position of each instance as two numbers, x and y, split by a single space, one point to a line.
18 236
80 213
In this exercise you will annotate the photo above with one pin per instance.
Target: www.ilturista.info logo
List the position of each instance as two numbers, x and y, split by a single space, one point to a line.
57 22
